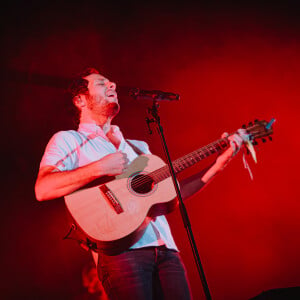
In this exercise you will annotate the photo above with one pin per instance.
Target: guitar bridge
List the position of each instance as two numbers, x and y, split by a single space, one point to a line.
111 198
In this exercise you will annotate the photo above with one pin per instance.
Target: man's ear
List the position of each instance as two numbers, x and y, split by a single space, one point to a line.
79 101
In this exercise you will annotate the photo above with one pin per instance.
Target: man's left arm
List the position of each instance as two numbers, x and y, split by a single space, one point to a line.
191 185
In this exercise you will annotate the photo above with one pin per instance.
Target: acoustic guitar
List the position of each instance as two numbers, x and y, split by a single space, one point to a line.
115 214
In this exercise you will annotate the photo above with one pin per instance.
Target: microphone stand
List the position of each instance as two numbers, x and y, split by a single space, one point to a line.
154 112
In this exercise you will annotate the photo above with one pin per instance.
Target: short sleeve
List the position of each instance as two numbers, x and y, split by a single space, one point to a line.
61 152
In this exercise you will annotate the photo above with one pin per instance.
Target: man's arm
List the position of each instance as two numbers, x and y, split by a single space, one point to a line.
52 183
196 182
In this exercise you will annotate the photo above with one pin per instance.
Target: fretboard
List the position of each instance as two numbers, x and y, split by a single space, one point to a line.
190 159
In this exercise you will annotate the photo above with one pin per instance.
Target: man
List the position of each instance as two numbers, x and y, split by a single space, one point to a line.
151 267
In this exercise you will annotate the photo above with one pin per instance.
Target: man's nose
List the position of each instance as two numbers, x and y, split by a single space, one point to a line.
111 85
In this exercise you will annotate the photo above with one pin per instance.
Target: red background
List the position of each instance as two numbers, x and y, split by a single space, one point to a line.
231 64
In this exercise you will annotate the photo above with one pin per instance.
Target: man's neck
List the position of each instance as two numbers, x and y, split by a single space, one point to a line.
104 122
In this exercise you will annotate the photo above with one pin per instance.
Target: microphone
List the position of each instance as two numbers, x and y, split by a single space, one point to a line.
139 94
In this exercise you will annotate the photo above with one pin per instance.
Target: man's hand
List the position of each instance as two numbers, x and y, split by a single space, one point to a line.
113 164
51 183
236 141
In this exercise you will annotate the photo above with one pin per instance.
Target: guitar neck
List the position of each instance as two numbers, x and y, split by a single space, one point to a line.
190 159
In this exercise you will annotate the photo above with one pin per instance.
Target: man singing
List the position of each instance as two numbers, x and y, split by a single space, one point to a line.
150 268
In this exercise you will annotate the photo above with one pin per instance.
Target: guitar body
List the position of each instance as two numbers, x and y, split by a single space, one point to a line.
116 214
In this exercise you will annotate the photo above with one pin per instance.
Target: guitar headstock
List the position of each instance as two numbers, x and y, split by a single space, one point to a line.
259 130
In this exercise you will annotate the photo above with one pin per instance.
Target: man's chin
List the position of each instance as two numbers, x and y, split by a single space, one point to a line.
112 108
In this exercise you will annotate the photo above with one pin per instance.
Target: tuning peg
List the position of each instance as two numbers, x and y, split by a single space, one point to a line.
250 124
244 126
270 138
263 140
256 121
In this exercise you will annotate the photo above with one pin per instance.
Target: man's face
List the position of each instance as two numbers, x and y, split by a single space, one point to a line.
102 97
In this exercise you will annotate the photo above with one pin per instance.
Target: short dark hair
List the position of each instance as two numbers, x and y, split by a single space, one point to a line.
79 85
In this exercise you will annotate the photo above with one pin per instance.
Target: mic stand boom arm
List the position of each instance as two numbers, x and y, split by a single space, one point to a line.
183 211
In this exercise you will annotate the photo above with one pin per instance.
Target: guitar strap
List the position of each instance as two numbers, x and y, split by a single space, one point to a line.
135 148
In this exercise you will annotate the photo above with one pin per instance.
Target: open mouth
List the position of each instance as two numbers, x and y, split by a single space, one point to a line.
111 94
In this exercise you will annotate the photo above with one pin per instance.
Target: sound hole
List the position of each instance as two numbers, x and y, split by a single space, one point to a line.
142 184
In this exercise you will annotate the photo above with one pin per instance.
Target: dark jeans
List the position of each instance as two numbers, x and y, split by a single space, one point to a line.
147 273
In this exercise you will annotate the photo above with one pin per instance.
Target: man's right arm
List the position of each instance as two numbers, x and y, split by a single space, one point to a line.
52 183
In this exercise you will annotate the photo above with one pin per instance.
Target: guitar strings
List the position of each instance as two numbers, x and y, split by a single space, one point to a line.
185 161
189 159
